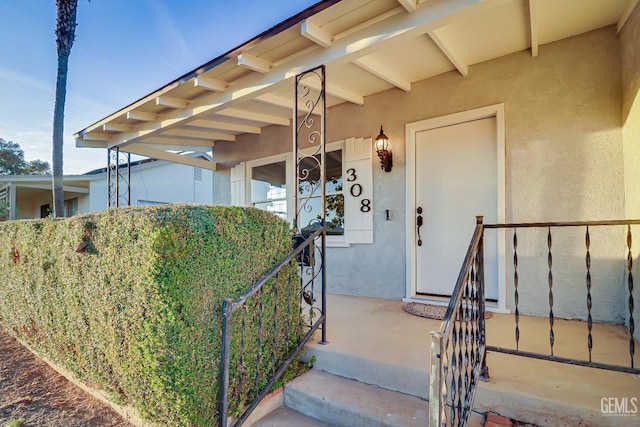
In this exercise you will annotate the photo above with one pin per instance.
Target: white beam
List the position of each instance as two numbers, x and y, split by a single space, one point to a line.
254 63
383 72
280 101
316 34
396 29
81 143
97 138
449 52
167 101
178 142
114 127
336 91
231 127
198 134
214 85
534 7
631 5
154 153
409 5
66 188
256 117
141 116
176 147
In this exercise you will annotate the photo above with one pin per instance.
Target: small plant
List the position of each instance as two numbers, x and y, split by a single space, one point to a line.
14 423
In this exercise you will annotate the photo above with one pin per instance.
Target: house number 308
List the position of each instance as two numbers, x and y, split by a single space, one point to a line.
356 190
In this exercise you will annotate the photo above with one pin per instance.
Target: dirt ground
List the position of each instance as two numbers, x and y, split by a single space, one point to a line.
33 394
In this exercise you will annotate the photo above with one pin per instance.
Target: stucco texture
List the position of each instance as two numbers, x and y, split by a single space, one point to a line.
630 50
564 161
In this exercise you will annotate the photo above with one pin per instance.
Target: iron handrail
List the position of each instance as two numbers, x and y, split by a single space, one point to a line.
230 305
564 224
588 225
456 295
461 309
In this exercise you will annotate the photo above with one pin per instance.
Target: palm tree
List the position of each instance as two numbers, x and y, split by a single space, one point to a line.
65 35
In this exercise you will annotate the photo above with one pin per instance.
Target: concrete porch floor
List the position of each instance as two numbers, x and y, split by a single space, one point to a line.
382 337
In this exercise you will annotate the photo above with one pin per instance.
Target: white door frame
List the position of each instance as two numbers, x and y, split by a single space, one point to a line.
411 129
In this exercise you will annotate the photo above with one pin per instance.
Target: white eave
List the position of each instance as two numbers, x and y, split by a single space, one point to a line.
367 46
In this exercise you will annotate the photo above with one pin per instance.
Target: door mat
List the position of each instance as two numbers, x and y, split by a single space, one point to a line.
430 311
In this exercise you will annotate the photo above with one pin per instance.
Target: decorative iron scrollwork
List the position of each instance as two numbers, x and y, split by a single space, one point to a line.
118 181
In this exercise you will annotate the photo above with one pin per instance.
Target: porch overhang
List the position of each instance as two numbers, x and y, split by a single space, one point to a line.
367 47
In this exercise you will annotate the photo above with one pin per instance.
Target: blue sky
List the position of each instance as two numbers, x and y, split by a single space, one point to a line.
124 49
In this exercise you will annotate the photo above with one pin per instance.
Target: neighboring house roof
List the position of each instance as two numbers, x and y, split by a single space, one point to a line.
78 183
367 46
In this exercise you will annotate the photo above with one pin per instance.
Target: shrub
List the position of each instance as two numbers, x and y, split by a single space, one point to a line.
138 309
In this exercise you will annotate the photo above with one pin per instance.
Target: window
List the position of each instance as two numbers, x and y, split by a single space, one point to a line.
150 203
310 217
70 207
269 187
267 184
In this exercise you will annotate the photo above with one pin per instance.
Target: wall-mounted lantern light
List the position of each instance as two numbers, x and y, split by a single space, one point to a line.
382 148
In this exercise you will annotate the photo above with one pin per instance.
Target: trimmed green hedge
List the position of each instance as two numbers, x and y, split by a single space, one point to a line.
138 312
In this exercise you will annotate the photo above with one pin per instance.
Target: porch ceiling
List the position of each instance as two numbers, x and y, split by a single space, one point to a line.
368 46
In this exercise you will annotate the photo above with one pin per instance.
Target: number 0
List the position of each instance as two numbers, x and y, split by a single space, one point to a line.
356 190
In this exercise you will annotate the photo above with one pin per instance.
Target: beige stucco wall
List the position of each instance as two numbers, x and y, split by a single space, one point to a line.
630 51
564 161
630 48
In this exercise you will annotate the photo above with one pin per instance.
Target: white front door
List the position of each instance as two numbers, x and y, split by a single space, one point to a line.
455 180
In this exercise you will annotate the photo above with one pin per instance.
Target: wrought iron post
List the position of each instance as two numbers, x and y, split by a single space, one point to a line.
484 369
310 159
118 184
223 388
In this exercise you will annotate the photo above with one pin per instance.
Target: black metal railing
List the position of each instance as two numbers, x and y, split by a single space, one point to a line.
554 290
458 348
264 330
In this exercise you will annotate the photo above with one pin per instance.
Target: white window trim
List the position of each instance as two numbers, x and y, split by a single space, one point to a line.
332 241
250 164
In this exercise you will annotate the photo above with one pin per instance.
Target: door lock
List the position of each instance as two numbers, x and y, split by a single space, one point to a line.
419 221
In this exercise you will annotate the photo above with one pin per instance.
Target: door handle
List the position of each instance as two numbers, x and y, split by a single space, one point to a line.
419 221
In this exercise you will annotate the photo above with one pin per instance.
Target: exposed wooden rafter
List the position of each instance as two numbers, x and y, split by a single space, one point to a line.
254 63
114 127
338 92
631 5
167 101
198 134
533 25
178 141
141 116
383 72
225 126
409 5
175 147
450 52
214 85
171 157
256 117
280 101
316 34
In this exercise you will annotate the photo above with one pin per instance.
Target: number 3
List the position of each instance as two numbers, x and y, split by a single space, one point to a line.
352 175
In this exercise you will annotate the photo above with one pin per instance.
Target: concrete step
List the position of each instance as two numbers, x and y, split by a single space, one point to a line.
340 401
405 379
286 417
